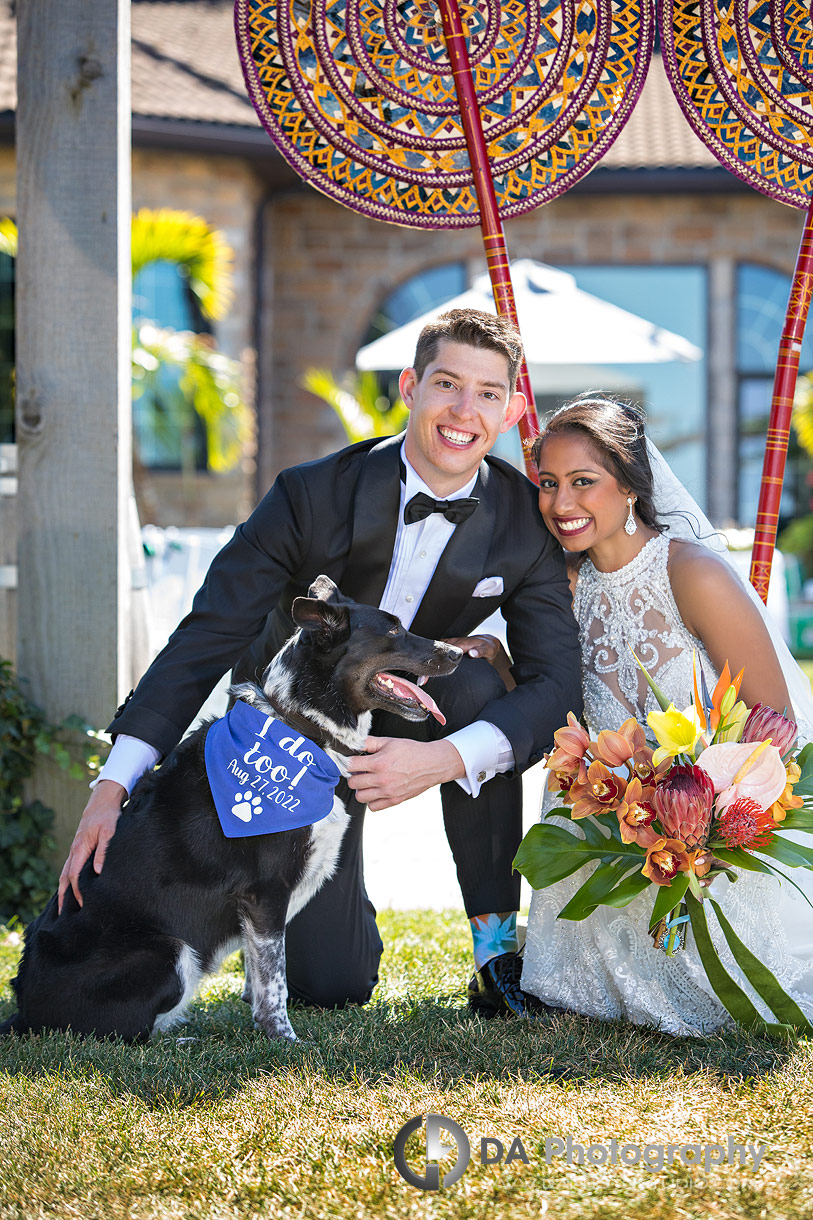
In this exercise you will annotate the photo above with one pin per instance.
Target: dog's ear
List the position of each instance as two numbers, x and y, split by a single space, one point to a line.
330 622
324 590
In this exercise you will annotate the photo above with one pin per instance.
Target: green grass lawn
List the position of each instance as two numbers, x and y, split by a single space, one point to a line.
232 1125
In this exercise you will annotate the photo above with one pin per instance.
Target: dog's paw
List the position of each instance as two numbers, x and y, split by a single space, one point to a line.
244 806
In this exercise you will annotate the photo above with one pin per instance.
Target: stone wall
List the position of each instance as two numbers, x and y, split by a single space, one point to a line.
320 271
326 270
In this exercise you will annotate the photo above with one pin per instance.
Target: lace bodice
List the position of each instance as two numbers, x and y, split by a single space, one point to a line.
633 608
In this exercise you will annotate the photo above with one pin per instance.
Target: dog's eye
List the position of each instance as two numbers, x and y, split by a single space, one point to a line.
394 631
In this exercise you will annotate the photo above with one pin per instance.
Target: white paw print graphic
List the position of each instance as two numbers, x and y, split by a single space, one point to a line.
244 806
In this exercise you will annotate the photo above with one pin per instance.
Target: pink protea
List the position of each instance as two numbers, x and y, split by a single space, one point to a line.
682 802
765 722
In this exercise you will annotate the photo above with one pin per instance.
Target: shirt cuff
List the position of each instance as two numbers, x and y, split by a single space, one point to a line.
485 752
127 761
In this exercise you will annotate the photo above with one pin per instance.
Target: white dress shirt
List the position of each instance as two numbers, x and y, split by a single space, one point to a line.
484 749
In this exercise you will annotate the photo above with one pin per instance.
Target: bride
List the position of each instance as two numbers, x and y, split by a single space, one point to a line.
638 583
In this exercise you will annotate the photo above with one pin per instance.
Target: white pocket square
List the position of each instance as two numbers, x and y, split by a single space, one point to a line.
489 586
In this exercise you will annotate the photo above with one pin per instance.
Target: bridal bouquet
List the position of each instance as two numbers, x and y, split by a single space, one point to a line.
721 783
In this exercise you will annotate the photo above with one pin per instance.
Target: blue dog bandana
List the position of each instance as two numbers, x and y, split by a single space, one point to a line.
264 776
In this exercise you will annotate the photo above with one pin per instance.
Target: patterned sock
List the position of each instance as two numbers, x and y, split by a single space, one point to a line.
493 935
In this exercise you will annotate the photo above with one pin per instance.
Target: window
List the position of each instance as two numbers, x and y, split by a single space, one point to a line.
427 290
166 435
762 300
673 392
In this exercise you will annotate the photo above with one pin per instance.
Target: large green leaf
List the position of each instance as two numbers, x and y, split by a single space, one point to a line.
729 993
798 819
792 854
549 853
668 898
591 826
783 1006
633 885
804 785
741 858
611 880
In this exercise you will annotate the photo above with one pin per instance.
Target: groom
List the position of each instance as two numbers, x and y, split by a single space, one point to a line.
432 529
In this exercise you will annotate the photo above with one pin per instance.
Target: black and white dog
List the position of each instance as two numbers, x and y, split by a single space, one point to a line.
176 895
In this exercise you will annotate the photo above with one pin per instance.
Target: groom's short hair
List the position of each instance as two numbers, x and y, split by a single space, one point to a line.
474 328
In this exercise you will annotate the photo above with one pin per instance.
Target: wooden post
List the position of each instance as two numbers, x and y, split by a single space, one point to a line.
8 553
73 366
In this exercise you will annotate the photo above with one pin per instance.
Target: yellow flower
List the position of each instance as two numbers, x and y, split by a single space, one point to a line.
676 732
787 800
735 722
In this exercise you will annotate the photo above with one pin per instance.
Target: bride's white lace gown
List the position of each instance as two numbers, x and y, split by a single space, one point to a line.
607 966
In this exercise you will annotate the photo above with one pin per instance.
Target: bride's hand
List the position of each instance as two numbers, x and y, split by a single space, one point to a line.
490 649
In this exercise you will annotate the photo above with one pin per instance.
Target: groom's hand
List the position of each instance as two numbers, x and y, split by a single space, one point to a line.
393 770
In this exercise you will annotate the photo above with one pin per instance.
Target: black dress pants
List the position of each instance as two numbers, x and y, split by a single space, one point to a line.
333 946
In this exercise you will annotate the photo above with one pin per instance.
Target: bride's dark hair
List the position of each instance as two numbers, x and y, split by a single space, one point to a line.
615 430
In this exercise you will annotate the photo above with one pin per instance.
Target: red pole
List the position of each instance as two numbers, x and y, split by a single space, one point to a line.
493 236
784 386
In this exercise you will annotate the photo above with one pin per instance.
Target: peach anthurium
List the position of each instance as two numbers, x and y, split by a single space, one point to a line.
601 793
665 858
744 769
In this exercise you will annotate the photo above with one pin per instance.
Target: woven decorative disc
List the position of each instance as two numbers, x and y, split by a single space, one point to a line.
359 98
742 71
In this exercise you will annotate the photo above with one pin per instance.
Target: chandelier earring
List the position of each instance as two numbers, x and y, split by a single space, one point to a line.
630 525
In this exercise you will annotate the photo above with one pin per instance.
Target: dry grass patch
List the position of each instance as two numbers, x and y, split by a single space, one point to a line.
232 1125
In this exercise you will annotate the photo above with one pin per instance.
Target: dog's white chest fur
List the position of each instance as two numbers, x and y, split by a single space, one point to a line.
325 844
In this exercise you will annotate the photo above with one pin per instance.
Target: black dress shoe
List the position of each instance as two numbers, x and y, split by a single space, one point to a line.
494 990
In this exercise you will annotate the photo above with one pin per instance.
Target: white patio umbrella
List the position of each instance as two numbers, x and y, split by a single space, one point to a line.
560 324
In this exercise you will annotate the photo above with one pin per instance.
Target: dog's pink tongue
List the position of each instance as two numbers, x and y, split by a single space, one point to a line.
405 688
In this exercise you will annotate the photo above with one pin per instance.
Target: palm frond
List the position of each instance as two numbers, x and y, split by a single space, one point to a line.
208 386
363 410
8 237
188 241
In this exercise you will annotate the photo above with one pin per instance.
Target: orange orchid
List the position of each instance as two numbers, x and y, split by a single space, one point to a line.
572 743
699 861
616 748
635 815
665 858
600 794
645 770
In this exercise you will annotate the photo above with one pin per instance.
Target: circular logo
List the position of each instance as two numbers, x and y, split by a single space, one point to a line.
436 1150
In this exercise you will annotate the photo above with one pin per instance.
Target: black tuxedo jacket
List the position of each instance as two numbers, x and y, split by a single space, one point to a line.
338 516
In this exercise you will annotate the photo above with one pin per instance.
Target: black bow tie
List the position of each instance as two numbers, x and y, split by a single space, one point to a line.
422 506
